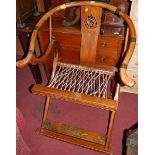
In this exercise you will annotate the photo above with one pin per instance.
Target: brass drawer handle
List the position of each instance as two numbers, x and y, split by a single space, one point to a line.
104 44
102 58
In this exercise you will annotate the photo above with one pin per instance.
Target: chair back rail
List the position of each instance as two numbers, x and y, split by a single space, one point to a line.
90 29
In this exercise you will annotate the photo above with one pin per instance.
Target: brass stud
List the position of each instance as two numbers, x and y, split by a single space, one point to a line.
133 39
117 11
31 52
36 28
124 66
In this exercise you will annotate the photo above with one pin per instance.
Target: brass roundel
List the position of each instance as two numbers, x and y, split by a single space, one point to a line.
91 22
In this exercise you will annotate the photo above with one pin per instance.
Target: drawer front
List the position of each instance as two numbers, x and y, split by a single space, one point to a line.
107 43
104 59
101 60
108 53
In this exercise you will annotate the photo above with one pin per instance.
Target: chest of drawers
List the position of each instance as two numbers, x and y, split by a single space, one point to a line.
108 48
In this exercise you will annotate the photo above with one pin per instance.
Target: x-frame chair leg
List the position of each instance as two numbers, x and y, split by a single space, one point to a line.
46 109
106 148
109 133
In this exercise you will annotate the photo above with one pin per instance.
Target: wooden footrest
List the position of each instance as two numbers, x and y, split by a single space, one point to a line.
73 135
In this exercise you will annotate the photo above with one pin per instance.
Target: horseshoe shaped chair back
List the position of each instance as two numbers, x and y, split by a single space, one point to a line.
84 83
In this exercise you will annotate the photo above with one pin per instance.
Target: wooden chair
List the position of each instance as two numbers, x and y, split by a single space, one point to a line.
85 82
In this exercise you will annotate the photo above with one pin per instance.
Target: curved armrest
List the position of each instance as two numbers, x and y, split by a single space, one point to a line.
125 78
31 58
123 70
24 62
52 46
123 74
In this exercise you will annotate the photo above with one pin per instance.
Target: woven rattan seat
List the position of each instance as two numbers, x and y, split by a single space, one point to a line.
81 79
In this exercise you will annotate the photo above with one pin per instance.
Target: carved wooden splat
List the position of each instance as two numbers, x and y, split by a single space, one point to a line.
90 22
90 28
